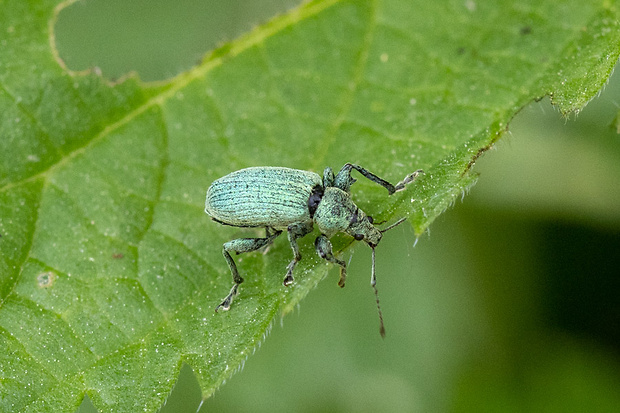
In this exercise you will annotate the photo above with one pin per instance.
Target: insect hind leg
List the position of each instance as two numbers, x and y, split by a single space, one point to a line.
239 246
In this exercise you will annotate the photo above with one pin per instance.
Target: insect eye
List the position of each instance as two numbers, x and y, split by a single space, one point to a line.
359 237
369 218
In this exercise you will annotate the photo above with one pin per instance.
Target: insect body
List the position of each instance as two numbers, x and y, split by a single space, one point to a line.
281 199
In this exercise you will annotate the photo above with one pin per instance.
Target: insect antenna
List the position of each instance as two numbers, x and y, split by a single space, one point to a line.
373 279
373 283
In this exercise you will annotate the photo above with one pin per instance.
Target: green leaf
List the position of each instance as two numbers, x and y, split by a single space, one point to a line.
110 270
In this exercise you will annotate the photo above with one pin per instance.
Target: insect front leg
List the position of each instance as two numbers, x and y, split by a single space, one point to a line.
295 231
407 180
239 246
324 248
344 180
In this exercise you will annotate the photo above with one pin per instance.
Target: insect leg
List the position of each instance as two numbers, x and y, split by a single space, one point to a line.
295 231
328 177
344 180
324 248
239 246
407 180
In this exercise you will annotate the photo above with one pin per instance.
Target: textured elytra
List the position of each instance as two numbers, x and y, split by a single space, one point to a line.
262 197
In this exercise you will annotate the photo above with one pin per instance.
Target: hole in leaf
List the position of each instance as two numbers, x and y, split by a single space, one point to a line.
155 38
86 406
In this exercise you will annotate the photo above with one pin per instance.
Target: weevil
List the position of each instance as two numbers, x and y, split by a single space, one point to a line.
278 199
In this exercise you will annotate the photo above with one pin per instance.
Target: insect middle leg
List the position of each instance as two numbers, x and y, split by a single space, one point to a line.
295 231
324 249
239 246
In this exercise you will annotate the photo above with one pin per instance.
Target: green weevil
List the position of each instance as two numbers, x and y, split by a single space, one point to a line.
279 199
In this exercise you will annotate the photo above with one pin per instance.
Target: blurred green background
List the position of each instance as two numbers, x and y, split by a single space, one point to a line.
511 303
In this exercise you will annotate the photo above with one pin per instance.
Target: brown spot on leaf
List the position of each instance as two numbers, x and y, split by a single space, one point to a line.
46 279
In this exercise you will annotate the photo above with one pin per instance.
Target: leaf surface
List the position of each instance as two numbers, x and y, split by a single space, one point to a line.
109 268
